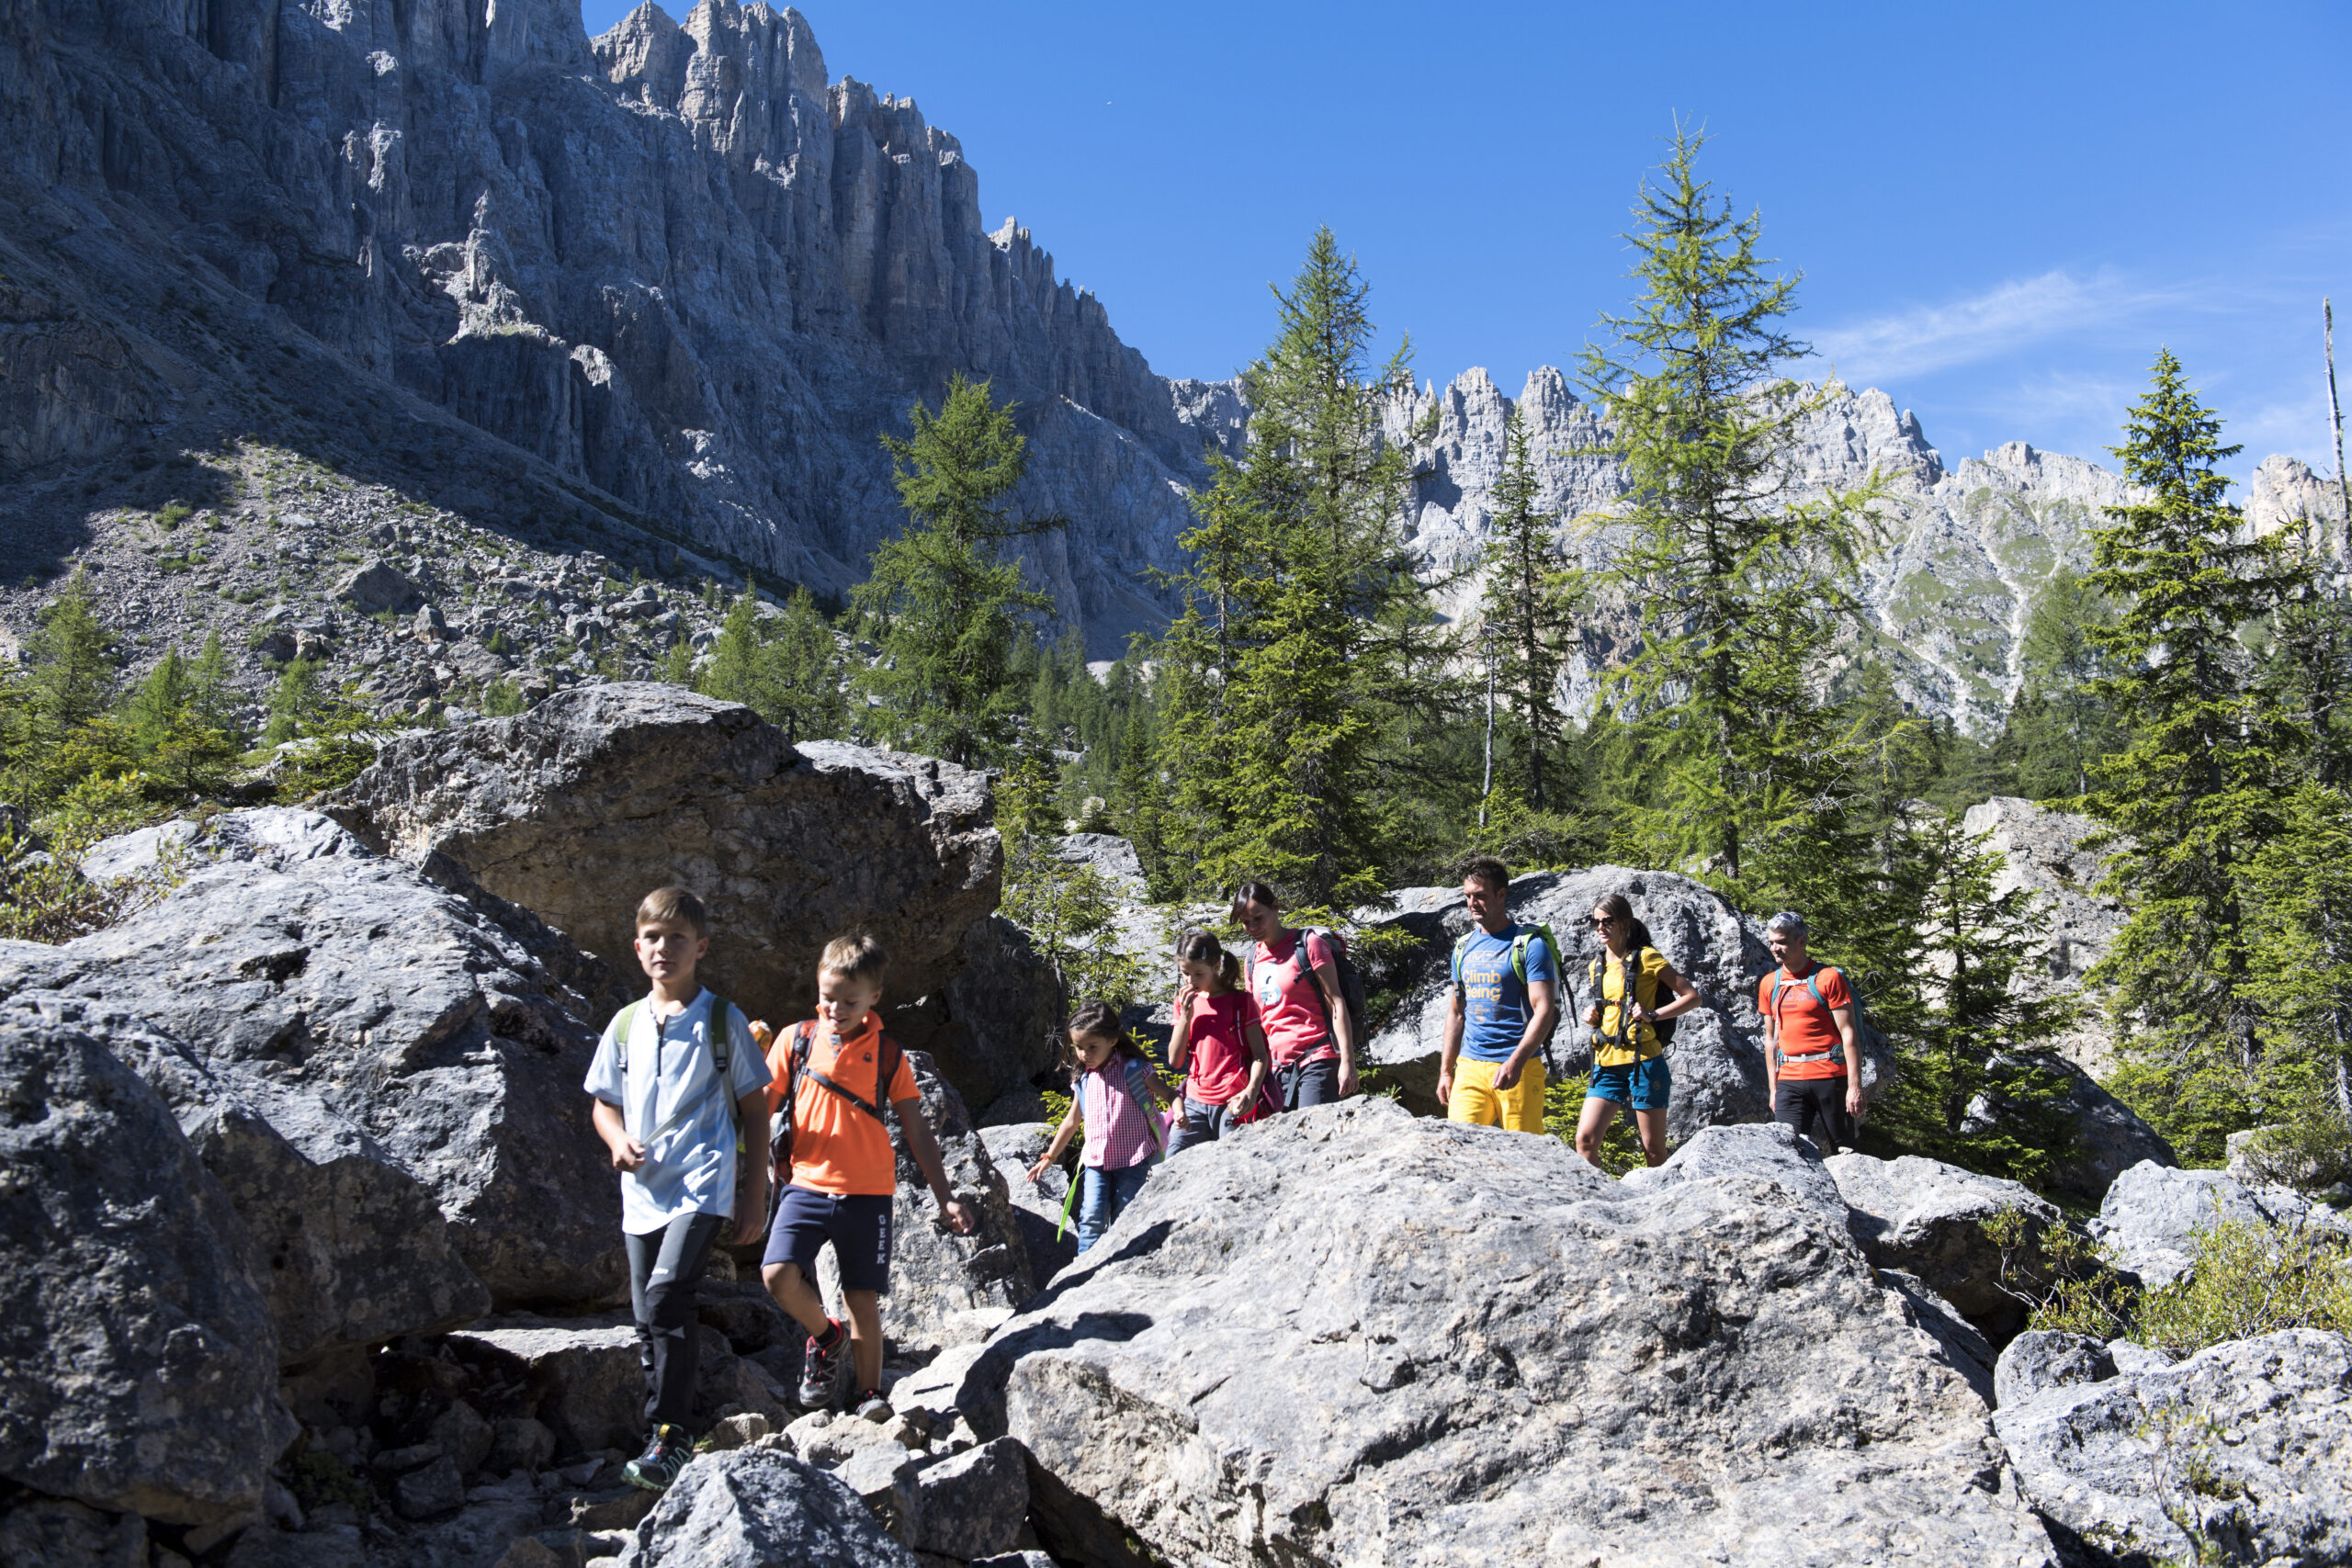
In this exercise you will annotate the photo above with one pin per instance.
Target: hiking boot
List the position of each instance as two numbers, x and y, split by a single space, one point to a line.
665 1454
825 1374
873 1407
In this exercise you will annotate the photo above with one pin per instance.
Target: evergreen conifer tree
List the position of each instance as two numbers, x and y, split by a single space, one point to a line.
159 701
1733 586
2199 785
2065 728
72 657
211 698
1305 637
1976 1086
1532 591
944 606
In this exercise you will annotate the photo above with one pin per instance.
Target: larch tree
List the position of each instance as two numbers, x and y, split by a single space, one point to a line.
943 604
1732 582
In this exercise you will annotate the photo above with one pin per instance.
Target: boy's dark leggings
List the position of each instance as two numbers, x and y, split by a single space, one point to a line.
664 1268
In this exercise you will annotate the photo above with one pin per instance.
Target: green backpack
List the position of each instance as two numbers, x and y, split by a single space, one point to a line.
1518 965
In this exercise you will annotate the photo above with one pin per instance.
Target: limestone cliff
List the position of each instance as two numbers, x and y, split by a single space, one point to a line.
1965 549
675 263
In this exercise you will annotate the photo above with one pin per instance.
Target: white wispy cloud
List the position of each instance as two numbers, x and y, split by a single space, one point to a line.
1984 326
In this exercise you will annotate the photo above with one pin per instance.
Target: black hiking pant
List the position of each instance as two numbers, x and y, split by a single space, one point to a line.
1815 1108
1303 1084
664 1266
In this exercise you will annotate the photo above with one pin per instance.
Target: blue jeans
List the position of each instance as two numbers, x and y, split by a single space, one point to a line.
1102 1196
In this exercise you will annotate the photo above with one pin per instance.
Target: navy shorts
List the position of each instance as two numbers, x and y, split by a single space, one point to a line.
857 1225
1644 1086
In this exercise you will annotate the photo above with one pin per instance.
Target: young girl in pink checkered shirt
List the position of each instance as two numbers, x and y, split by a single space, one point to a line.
1116 1097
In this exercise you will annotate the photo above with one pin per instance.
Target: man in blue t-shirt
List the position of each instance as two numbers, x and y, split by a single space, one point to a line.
1498 1021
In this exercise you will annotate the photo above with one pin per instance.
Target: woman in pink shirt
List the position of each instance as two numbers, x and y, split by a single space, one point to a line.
1295 984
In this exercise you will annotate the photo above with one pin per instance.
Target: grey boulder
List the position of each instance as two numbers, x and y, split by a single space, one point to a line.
995 1026
138 1366
578 809
47 1533
1931 1220
2248 1445
379 587
948 1289
365 1014
1037 1206
348 1249
973 1504
2149 1216
1351 1335
1717 1054
758 1508
1752 1151
582 1379
2044 1359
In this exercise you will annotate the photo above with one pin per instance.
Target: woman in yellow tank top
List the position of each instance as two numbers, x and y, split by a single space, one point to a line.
1629 1067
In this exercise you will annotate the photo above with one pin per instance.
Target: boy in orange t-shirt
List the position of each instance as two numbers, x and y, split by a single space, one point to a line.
844 1173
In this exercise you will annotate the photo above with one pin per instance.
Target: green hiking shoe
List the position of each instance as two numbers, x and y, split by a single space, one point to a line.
665 1454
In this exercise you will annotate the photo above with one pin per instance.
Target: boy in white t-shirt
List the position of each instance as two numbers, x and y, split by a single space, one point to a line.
673 1124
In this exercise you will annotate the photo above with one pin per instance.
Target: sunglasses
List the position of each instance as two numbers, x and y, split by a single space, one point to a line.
1604 920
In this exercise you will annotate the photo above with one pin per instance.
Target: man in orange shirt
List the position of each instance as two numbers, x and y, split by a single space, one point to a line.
1808 1041
843 1173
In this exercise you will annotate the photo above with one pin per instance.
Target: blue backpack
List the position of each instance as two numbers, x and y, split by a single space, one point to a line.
1865 1035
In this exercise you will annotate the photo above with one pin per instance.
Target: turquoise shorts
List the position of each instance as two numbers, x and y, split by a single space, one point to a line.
1644 1086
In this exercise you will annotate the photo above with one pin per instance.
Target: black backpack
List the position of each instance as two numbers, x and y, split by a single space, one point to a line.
803 1036
1351 992
1629 988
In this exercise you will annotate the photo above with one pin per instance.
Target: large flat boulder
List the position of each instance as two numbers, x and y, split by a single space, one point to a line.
2150 1215
2249 1444
1353 1336
1930 1219
364 1014
1717 1053
138 1365
578 809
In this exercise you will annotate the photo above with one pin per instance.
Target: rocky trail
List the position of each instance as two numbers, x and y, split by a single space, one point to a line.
310 1259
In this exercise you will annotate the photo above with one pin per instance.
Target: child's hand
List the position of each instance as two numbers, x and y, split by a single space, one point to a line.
1037 1171
629 1155
1185 995
960 1218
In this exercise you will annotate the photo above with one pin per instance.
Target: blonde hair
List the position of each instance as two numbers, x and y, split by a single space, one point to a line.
855 955
672 906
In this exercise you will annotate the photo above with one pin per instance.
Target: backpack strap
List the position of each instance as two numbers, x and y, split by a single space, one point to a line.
887 1055
1138 1075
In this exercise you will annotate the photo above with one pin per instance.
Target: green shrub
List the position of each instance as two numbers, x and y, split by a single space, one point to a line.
503 699
2246 1277
173 515
45 896
2252 1279
1621 1145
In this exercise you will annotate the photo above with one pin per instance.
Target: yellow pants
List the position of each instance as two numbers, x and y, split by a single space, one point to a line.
1476 1100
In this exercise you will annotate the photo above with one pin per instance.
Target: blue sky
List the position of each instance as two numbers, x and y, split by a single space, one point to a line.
2000 211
